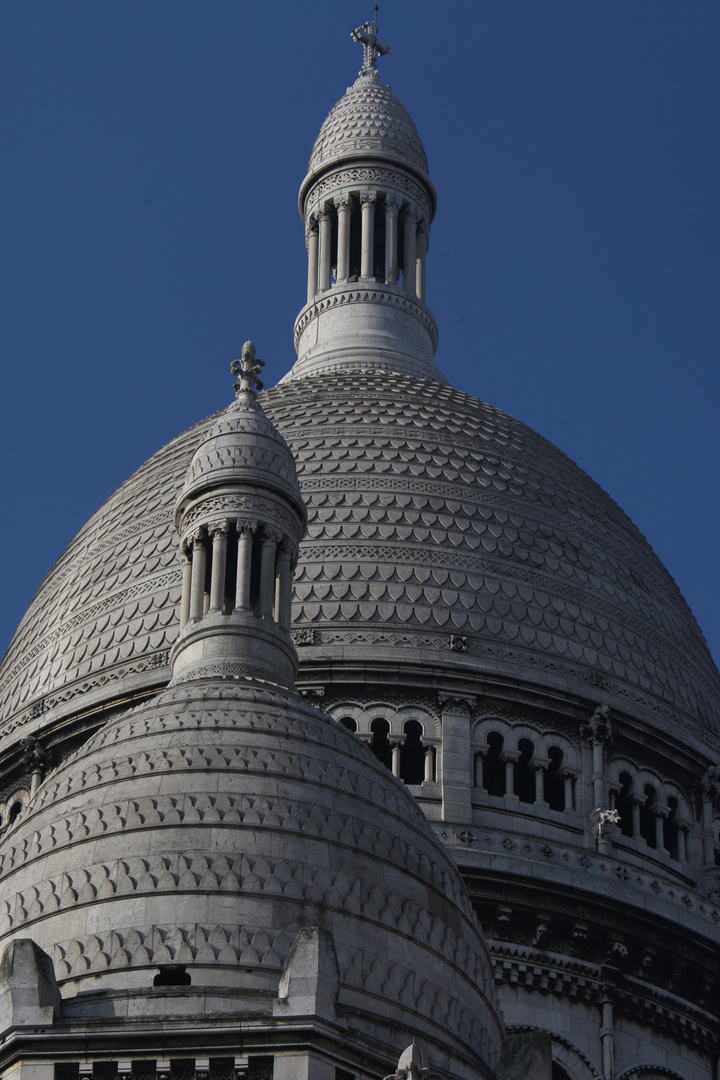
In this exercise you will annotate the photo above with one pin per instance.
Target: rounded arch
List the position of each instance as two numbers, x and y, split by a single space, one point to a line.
648 1072
13 806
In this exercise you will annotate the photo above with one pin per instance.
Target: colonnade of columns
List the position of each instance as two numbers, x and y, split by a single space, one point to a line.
270 597
538 766
396 746
329 243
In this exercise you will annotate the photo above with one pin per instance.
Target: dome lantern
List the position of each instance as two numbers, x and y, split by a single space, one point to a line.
367 203
240 517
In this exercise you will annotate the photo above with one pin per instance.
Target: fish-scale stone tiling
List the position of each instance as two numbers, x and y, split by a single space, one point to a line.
429 513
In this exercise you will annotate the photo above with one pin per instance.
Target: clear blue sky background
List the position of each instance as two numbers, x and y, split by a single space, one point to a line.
152 154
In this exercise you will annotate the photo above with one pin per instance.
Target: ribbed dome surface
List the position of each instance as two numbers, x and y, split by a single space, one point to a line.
208 827
430 515
368 121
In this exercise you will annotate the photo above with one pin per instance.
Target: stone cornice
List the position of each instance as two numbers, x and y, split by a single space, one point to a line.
367 294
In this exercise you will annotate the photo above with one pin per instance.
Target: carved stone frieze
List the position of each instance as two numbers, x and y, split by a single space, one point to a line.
392 179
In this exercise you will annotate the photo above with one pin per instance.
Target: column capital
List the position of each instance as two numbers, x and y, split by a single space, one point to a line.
598 728
368 197
410 214
218 528
343 202
271 535
196 538
325 212
285 550
245 528
464 703
509 756
311 225
393 202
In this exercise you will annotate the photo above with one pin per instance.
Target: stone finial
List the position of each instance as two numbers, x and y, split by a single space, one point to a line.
247 368
410 1065
29 995
366 35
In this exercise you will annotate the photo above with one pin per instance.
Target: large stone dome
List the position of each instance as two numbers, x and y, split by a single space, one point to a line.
206 829
439 527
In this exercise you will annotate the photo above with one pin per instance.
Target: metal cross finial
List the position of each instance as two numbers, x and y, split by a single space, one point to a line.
247 368
366 35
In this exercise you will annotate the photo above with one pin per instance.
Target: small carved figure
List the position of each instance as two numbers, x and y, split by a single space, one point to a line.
366 35
602 820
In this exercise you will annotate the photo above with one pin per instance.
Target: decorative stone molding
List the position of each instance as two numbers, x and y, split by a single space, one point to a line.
345 178
353 294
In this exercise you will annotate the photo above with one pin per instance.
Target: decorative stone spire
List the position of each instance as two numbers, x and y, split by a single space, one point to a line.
367 204
240 517
366 35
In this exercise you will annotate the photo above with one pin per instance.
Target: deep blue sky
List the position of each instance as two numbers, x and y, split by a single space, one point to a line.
152 154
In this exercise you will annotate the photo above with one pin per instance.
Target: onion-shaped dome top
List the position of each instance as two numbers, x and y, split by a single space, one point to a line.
206 828
243 445
368 121
431 515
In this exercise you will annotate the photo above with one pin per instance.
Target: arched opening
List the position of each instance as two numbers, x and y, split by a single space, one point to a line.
493 768
412 754
648 813
553 784
379 243
380 744
355 240
670 828
15 811
624 803
348 722
524 786
172 975
558 1073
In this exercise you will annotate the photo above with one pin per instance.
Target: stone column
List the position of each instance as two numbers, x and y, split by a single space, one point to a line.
325 246
598 733
271 538
219 533
457 764
367 252
395 745
567 779
660 815
246 530
392 209
186 584
343 204
311 240
607 1038
429 763
539 765
682 831
422 246
197 583
410 255
478 771
509 757
709 787
283 587
636 804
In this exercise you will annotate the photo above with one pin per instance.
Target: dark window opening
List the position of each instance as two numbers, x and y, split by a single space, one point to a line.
380 744
647 816
260 1068
412 754
553 784
231 572
15 811
182 1069
379 243
524 786
67 1070
558 1073
493 767
105 1070
144 1070
348 722
624 803
222 1068
172 975
255 559
341 1074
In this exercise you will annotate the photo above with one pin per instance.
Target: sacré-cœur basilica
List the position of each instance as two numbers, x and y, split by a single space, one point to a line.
359 733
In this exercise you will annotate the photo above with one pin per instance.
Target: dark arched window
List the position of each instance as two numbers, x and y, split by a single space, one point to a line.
493 768
624 803
524 785
558 1073
647 816
553 784
412 754
348 722
15 810
380 744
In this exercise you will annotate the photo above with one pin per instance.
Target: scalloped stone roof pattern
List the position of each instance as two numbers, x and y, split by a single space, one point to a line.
368 120
329 838
432 517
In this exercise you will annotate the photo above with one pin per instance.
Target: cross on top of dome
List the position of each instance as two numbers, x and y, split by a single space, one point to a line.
366 35
247 369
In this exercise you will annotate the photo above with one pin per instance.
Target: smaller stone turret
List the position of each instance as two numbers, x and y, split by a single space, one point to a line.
240 516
